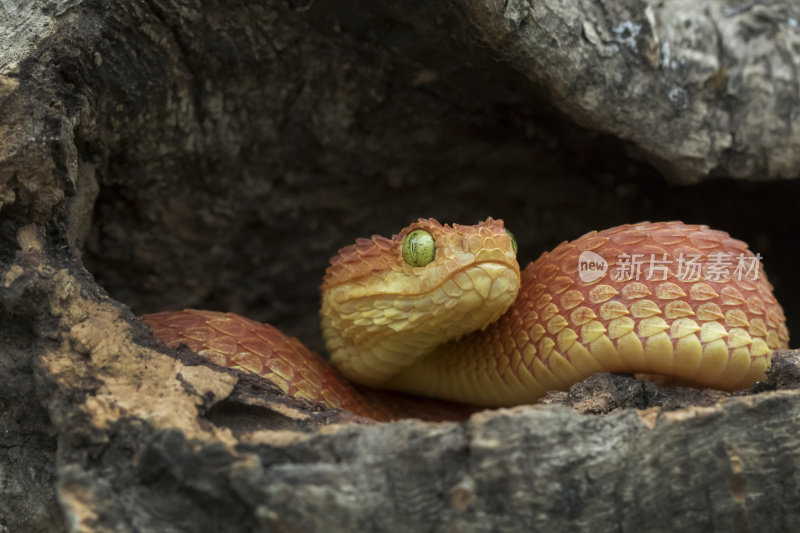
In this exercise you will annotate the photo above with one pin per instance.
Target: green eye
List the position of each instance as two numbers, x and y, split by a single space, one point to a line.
513 241
419 248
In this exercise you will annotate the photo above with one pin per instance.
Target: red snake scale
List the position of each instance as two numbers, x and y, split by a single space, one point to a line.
444 311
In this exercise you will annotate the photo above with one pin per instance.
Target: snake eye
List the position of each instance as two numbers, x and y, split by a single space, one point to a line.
513 241
419 248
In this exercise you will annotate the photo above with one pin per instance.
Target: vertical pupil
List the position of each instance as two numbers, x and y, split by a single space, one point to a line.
417 249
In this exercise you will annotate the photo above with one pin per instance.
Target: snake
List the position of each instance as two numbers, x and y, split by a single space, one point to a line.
445 312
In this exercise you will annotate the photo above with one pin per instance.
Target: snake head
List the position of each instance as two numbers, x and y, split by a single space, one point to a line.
388 302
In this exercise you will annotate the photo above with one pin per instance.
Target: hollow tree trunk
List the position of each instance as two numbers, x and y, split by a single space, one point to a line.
158 154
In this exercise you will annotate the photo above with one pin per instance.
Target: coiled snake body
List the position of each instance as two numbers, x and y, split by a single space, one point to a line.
444 311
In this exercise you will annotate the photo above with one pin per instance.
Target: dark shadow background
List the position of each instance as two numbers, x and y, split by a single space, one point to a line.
230 171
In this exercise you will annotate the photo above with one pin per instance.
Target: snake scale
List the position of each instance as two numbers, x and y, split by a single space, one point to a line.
444 311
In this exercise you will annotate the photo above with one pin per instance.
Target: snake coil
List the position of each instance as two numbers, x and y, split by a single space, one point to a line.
444 311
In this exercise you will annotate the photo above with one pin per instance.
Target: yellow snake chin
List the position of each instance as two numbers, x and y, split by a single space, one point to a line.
377 325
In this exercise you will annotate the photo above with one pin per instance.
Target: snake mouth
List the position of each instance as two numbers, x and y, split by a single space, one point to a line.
470 298
486 278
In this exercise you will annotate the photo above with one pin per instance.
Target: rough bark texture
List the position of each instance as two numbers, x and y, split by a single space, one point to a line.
215 154
700 87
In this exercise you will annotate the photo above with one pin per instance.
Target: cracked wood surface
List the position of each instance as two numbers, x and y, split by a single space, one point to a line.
201 153
701 88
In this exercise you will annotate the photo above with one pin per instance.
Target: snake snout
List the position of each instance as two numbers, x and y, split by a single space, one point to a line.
484 285
473 298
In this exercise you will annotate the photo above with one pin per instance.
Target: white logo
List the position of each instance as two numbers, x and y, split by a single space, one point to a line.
591 266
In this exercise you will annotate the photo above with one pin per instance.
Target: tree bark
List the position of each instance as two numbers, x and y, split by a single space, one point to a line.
702 88
158 154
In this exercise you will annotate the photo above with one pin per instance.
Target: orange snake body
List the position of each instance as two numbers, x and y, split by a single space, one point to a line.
714 330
